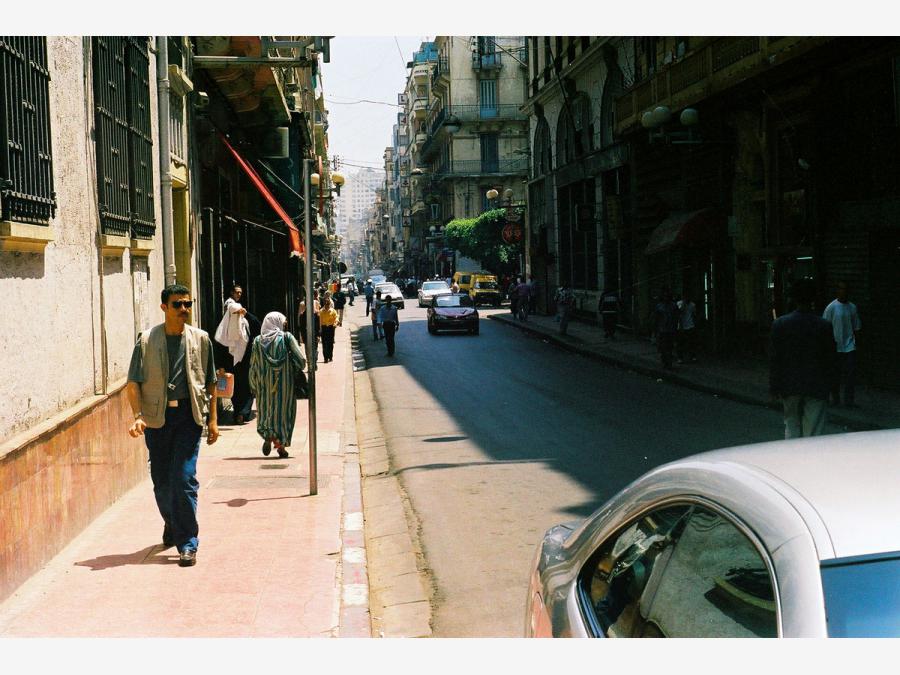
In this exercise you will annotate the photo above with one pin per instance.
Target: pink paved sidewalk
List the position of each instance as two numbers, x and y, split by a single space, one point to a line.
270 561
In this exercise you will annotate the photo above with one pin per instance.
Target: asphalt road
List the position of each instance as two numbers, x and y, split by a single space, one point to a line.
497 437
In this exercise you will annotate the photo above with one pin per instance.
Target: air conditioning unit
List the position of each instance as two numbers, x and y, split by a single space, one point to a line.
275 143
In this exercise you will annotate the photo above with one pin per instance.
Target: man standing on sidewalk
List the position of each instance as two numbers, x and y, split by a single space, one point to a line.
387 317
172 389
801 362
844 320
666 327
609 313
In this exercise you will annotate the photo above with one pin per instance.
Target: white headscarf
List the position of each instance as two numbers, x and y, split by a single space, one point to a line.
272 327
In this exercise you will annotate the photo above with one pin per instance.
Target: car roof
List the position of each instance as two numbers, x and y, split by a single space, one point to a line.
850 481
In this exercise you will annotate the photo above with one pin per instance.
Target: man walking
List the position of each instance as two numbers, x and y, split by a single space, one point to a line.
801 362
845 323
687 330
172 389
339 300
387 317
532 294
609 313
369 292
666 327
565 302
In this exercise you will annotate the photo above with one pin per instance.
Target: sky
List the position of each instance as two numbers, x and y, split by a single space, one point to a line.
372 68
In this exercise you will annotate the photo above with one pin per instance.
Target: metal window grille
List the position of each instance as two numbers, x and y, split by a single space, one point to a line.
26 166
176 125
121 68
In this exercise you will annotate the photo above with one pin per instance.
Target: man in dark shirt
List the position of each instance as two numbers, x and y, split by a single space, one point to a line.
171 389
387 317
801 363
666 315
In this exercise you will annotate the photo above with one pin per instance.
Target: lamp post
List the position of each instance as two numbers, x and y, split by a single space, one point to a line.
310 327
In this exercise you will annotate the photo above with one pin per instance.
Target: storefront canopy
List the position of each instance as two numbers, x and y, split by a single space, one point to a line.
293 232
685 228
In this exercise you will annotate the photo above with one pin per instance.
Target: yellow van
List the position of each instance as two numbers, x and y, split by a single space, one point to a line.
482 287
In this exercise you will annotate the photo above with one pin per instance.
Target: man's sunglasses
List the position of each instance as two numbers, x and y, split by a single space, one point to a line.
178 304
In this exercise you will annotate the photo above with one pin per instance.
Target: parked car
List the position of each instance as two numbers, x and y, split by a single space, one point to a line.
452 311
391 289
429 290
791 539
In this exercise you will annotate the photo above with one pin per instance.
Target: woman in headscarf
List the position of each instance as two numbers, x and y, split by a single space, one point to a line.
274 359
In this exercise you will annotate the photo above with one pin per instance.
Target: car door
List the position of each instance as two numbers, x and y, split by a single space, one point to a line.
688 570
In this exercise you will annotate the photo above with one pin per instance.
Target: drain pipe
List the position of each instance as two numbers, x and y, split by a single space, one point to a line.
165 160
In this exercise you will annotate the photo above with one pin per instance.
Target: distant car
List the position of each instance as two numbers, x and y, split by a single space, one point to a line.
429 290
787 539
452 311
392 290
378 279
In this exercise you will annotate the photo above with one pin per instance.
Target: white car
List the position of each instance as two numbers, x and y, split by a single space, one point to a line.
429 290
392 290
792 538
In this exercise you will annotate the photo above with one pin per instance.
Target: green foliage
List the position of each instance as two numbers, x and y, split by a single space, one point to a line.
481 238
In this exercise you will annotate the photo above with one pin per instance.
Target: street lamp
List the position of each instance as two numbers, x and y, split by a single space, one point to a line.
656 120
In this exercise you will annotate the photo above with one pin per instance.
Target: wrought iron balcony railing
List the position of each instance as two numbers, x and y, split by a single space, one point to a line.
478 167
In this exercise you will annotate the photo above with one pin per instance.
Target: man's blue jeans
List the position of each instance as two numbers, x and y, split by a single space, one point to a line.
173 468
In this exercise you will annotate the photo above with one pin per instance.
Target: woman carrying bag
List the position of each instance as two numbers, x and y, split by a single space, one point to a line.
275 360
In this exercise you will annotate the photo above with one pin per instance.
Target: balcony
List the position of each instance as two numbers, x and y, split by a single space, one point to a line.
420 108
715 67
440 73
477 167
486 61
421 73
420 140
477 113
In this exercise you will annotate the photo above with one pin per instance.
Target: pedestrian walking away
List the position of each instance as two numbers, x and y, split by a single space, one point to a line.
513 293
311 343
369 292
565 301
666 320
388 318
172 391
523 290
844 319
275 359
609 312
687 330
802 357
328 320
377 331
339 299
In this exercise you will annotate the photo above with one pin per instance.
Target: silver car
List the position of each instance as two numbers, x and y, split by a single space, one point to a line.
429 290
787 539
391 289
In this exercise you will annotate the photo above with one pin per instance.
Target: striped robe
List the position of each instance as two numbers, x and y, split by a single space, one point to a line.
272 381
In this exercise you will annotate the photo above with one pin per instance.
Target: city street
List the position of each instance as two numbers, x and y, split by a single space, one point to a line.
499 436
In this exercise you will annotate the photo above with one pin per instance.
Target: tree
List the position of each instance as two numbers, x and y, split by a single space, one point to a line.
481 238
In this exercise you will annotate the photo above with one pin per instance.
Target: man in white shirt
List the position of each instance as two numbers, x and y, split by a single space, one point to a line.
844 319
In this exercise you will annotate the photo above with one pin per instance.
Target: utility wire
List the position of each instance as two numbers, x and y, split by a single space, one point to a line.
400 51
363 100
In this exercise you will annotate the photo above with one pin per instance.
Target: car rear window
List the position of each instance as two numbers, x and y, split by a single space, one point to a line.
433 285
454 301
862 596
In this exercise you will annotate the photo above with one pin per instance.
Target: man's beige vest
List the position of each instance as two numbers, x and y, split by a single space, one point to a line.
155 359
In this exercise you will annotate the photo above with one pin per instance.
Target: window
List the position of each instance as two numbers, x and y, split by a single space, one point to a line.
490 153
543 163
121 71
565 137
26 166
488 98
684 571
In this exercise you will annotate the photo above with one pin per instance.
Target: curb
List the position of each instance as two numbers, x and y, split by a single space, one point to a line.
400 597
637 365
355 619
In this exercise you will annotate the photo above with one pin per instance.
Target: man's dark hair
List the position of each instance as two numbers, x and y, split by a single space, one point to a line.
233 286
804 292
173 289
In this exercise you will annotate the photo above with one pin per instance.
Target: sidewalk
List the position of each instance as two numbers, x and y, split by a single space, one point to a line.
741 379
273 561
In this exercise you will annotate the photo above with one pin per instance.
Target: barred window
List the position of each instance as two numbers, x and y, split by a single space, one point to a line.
26 165
121 72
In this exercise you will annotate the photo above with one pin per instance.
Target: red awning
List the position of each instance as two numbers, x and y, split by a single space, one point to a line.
293 233
689 228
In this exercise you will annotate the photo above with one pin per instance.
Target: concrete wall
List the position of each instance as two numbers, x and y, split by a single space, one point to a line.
50 353
64 451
